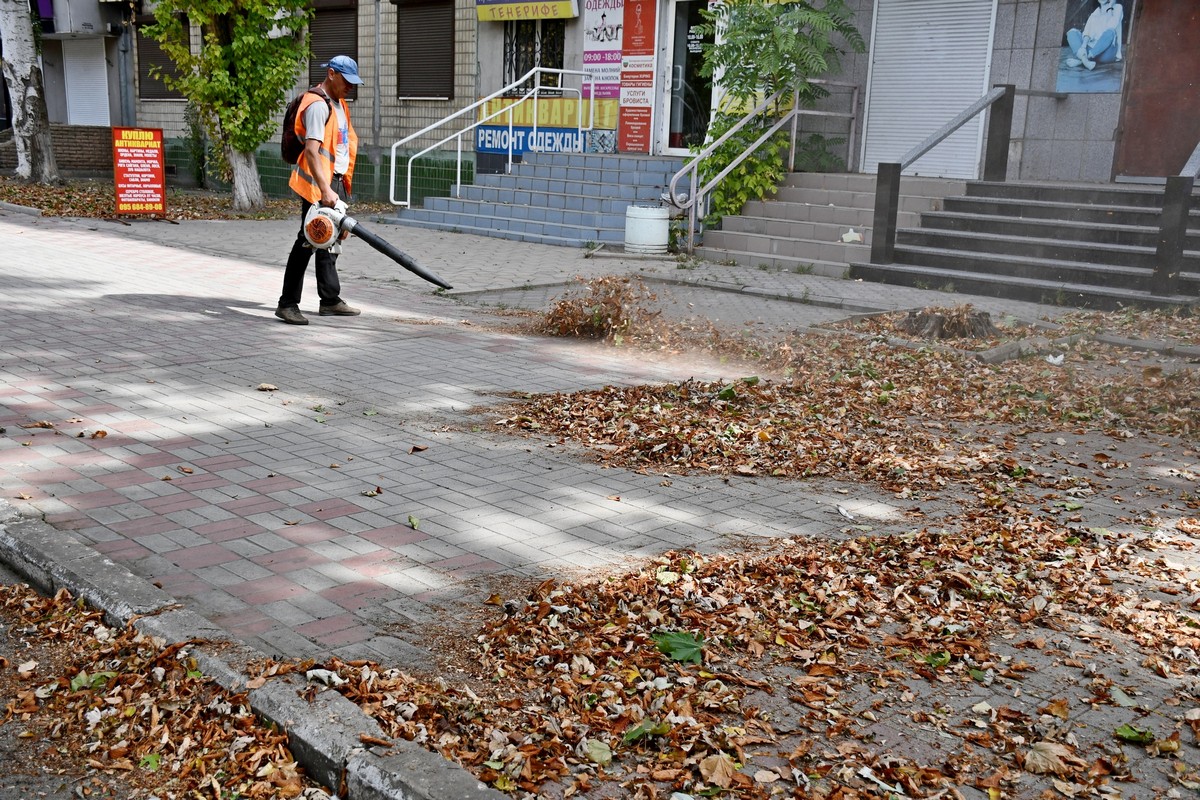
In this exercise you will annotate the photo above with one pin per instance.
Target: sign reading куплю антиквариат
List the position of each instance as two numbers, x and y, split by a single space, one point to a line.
138 172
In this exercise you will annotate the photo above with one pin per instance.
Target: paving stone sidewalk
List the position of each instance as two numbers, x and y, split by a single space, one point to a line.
362 499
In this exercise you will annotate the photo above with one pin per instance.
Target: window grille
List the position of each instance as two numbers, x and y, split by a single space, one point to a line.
530 43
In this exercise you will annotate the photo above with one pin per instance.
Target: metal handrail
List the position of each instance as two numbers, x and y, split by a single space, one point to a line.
1173 226
699 194
1192 168
962 118
534 93
887 180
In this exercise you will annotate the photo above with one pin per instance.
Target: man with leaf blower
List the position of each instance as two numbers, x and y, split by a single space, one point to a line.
321 176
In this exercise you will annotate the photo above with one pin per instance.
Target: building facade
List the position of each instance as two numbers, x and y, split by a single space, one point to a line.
627 72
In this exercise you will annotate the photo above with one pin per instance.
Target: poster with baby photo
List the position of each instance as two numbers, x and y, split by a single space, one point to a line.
1095 35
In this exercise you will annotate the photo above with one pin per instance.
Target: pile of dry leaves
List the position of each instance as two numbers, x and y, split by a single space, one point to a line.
130 708
774 673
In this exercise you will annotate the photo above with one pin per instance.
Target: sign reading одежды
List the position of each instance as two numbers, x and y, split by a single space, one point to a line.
138 171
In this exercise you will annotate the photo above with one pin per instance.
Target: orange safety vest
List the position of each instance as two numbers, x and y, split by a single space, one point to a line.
302 181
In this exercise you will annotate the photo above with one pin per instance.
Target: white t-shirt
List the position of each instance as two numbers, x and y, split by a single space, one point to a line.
315 117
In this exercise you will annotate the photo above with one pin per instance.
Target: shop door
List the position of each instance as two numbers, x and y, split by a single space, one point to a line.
1160 116
86 81
929 61
688 96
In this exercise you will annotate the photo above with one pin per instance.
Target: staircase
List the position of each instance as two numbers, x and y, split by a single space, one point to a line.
1091 246
801 228
568 199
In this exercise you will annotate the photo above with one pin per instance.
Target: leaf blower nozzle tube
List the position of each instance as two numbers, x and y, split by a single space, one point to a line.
324 224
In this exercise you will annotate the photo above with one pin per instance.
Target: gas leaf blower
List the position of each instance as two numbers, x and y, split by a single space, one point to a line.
323 226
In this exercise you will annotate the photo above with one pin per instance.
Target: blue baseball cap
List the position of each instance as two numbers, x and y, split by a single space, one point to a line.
347 66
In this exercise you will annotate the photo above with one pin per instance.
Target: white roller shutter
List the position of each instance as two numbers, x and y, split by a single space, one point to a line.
86 76
929 60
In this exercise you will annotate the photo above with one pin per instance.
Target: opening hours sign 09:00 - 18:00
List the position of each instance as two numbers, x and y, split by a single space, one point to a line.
138 172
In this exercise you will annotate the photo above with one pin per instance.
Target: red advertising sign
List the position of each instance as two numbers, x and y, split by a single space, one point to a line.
636 114
138 171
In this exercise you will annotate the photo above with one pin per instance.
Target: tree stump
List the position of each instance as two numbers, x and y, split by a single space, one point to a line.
963 322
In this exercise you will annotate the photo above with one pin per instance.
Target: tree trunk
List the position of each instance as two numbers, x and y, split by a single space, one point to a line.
31 122
247 188
949 323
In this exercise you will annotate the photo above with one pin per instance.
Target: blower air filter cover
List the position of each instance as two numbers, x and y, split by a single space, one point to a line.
319 230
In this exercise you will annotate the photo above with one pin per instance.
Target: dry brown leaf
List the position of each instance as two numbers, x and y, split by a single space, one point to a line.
1052 758
718 769
417 448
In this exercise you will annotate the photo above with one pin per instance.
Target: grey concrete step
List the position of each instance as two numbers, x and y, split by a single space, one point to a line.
852 199
860 182
774 263
1003 266
1057 210
808 212
1078 194
803 249
590 204
1061 248
1136 235
485 220
1032 289
630 190
792 229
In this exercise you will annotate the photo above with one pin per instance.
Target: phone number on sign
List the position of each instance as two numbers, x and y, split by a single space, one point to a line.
140 207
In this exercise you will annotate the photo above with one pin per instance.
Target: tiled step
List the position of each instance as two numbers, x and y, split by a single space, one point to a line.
775 263
1029 268
1113 233
1089 194
1031 289
954 242
808 249
1052 210
789 229
857 218
593 229
574 203
859 182
851 199
491 232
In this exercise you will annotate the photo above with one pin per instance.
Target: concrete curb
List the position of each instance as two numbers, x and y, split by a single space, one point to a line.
325 735
16 209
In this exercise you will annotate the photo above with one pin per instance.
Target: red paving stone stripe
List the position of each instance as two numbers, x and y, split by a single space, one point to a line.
173 502
369 564
245 506
43 477
322 627
194 483
328 509
357 595
247 623
289 560
121 550
129 477
267 590
205 555
359 633
90 500
278 483
144 526
310 534
218 463
394 536
147 460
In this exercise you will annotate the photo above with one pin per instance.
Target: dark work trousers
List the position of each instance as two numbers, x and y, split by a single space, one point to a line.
328 287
